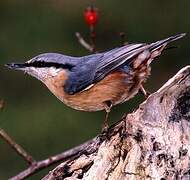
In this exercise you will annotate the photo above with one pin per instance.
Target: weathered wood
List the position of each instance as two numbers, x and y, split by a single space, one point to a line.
151 143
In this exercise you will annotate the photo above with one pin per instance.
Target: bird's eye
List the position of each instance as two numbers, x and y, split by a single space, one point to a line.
37 64
41 63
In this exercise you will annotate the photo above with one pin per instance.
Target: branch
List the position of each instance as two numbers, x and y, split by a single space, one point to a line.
28 158
83 42
91 47
74 152
151 143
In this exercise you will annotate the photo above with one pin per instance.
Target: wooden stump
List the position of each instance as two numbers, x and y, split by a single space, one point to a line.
151 143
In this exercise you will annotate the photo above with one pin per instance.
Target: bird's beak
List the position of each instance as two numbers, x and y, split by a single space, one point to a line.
16 66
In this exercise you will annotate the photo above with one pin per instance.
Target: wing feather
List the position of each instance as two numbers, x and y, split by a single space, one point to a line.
96 67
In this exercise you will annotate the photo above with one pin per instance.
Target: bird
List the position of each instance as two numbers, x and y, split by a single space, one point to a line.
98 81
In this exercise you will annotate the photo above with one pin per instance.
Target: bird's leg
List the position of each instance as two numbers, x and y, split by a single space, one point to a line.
143 91
107 106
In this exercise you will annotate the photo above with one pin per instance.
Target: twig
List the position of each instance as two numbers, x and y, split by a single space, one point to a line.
84 43
94 143
17 147
88 147
93 38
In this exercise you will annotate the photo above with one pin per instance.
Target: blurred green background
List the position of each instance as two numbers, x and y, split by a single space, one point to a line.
32 115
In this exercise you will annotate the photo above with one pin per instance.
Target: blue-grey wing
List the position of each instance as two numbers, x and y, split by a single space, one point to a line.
115 59
82 75
95 67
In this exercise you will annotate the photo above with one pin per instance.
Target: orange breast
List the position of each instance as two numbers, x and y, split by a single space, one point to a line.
116 87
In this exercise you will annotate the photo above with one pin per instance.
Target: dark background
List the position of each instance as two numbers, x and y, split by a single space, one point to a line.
32 115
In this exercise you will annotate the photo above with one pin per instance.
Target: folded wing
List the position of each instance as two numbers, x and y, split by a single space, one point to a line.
97 66
93 68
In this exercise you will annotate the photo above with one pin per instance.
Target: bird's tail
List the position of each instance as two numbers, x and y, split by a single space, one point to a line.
164 42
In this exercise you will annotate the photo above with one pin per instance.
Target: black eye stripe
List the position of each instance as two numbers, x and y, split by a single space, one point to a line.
41 64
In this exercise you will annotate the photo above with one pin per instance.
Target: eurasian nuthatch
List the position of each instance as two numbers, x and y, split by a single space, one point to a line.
98 81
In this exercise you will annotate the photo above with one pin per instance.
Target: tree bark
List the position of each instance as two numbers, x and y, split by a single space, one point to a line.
151 143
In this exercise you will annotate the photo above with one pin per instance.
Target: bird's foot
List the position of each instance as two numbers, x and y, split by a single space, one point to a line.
105 128
144 92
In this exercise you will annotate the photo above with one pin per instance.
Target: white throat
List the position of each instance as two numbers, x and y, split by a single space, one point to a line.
42 73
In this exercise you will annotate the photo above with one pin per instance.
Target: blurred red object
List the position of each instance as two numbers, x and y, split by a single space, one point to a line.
91 16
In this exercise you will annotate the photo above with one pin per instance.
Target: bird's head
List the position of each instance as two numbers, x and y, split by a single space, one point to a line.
44 65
